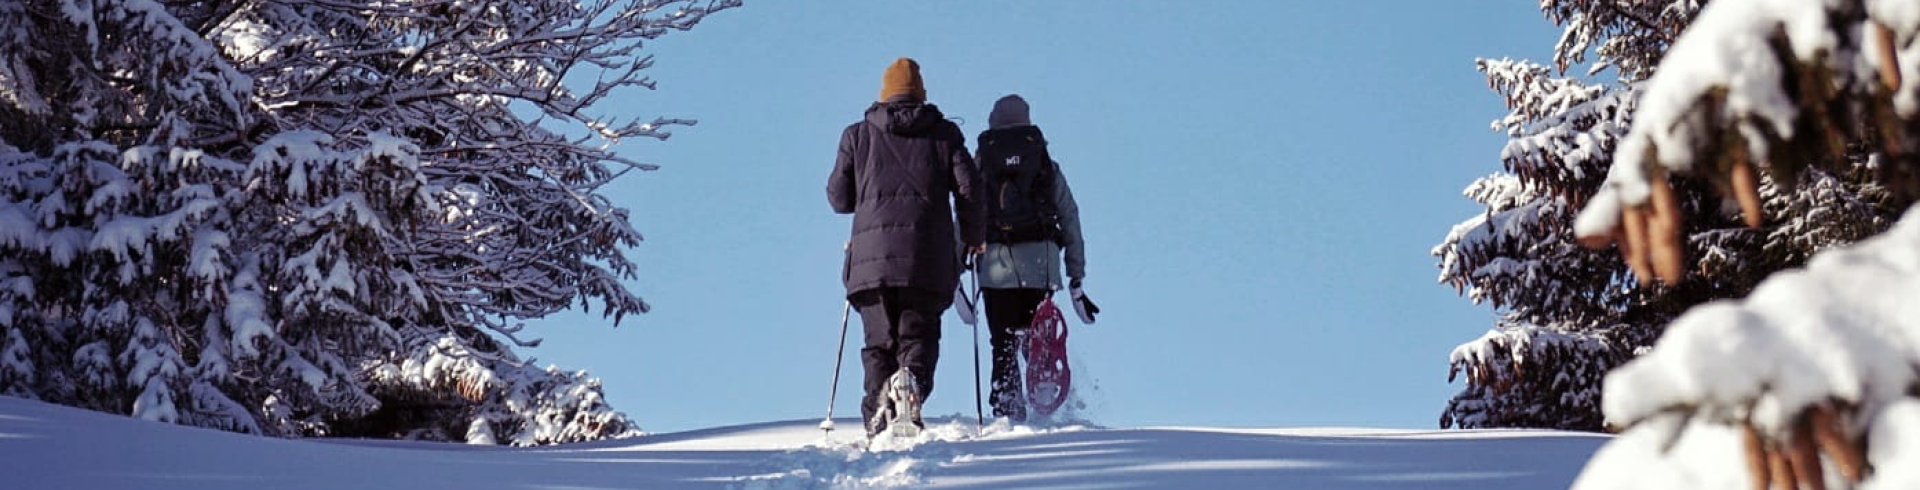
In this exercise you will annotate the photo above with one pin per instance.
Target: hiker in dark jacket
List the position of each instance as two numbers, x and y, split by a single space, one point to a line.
895 172
1022 268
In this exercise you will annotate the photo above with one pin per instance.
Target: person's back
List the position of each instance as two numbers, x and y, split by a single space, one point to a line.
894 173
903 227
1033 220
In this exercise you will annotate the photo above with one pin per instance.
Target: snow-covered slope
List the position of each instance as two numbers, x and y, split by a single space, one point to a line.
50 447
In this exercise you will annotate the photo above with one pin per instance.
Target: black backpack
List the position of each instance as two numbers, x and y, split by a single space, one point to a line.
1020 177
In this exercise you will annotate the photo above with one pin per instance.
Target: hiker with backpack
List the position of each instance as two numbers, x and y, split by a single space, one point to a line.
895 172
1032 220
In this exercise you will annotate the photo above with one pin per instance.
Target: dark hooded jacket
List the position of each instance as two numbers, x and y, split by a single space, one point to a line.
895 172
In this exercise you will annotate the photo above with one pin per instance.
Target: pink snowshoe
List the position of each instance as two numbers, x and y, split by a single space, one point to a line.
1049 379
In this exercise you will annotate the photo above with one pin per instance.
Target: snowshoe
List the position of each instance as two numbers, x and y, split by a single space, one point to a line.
903 405
878 424
1049 378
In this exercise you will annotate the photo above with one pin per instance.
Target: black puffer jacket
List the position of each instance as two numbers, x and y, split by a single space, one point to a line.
895 171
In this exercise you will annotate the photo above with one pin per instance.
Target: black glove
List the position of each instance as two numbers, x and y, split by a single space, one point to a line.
1082 305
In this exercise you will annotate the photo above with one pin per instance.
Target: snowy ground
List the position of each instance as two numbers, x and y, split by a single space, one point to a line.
49 447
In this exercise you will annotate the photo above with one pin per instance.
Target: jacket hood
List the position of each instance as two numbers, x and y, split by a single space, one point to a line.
905 118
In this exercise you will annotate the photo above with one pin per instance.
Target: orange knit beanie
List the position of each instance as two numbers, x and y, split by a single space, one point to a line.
902 78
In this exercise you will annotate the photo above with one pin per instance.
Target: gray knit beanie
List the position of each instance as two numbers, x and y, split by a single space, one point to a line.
1008 112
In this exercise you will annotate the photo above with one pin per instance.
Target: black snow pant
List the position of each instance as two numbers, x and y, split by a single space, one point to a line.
1009 312
902 329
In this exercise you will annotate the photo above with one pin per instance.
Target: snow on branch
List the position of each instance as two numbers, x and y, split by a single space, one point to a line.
268 201
1773 85
1810 381
1810 368
1565 135
1522 375
1624 34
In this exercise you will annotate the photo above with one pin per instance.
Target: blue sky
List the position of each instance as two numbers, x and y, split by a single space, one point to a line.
1260 184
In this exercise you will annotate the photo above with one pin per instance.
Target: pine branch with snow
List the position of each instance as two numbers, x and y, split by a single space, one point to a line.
441 389
1812 377
1523 257
1532 376
231 215
1776 88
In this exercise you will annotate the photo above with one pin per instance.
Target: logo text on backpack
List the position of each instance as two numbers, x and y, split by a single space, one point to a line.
1013 160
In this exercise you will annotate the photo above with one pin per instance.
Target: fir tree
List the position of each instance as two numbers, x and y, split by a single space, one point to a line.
1570 314
1806 89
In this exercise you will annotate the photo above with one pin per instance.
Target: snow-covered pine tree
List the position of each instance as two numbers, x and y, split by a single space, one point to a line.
316 218
1813 378
1570 314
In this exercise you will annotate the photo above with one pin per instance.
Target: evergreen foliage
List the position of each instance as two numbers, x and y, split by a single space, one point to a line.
316 218
1812 378
1569 313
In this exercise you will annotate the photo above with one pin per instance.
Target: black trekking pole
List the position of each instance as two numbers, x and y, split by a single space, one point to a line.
979 414
833 393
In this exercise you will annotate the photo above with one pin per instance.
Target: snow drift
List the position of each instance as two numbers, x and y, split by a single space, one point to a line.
46 446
